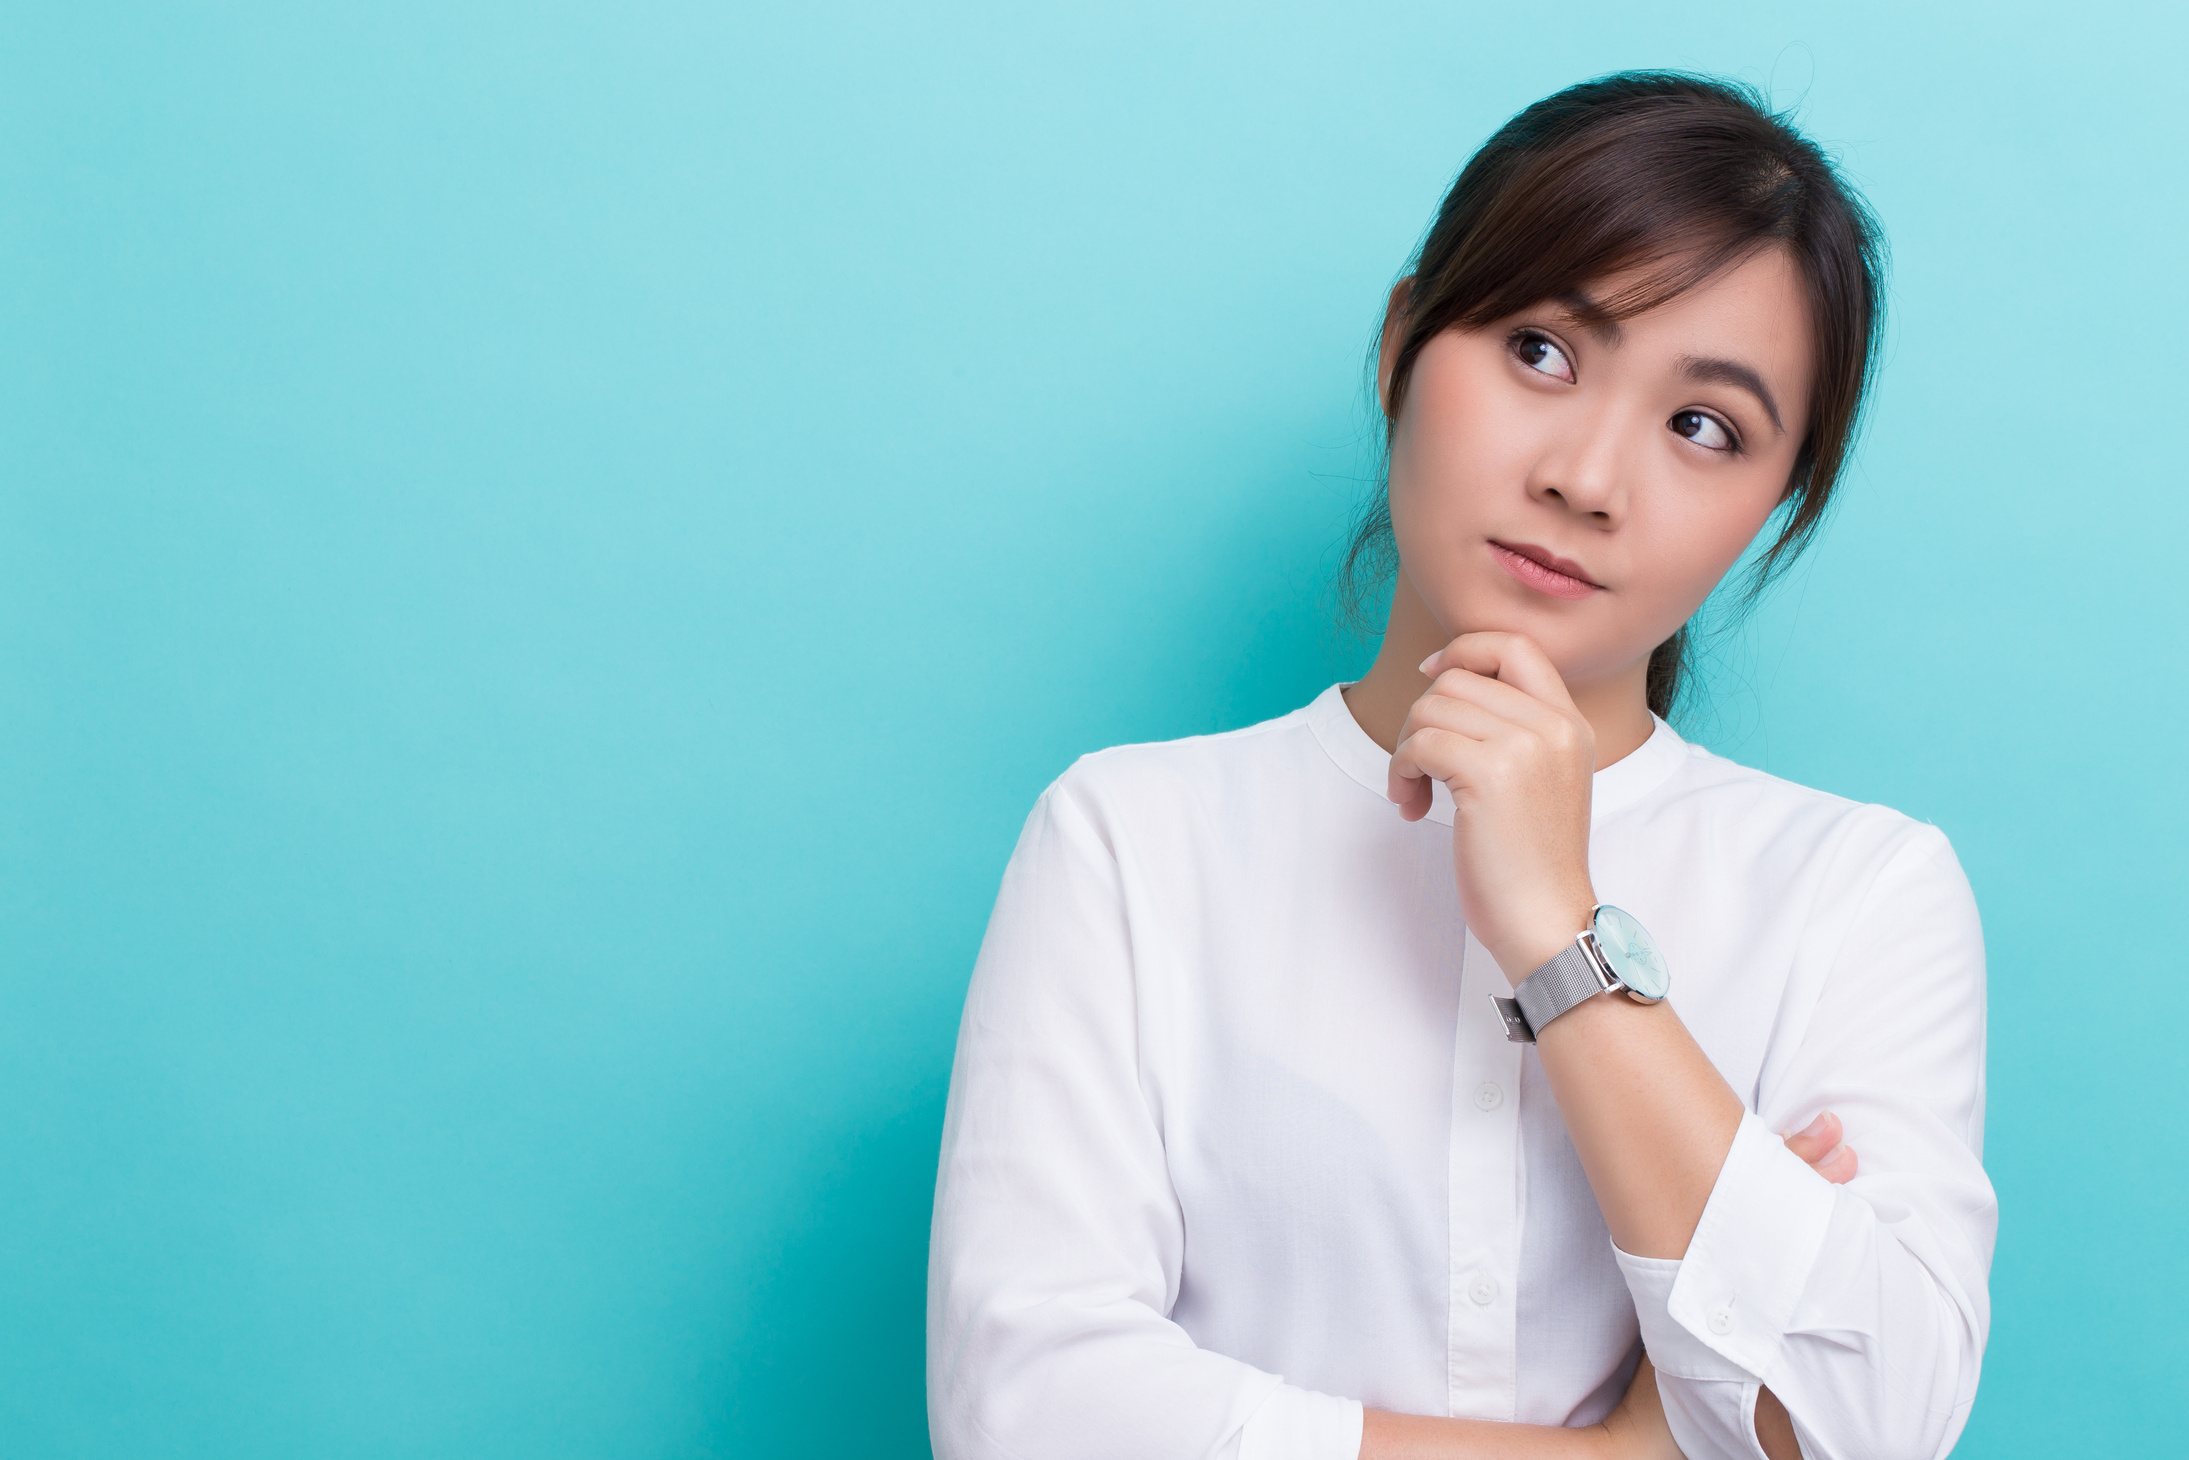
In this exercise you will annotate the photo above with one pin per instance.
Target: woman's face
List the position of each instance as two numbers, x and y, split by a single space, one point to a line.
1589 487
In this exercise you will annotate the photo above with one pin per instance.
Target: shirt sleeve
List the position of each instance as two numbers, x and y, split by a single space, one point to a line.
1863 1307
1058 1242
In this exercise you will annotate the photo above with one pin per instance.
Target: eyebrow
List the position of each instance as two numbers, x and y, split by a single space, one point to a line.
1590 316
1741 377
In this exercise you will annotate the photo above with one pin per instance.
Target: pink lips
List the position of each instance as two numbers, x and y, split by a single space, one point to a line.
1544 571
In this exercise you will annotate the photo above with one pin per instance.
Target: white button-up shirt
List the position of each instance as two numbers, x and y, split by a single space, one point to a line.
1236 1142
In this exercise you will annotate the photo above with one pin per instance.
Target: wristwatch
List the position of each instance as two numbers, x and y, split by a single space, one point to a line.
1613 954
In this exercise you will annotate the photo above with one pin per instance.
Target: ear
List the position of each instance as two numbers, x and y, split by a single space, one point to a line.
1394 335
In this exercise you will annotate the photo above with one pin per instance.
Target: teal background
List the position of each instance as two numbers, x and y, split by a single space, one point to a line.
547 549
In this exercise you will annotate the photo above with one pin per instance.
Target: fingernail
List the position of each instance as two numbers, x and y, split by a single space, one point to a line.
1816 1127
1429 661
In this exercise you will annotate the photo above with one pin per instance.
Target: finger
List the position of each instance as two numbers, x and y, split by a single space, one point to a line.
1408 783
1816 1141
1415 763
1413 795
1514 658
1460 714
1508 702
1429 753
1840 1166
1443 738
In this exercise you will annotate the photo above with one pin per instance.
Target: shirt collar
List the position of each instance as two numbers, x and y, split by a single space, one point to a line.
1614 788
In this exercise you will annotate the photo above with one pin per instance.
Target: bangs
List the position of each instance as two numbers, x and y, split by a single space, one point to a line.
1675 199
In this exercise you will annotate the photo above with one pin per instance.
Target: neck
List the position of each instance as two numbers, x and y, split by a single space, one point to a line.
1617 708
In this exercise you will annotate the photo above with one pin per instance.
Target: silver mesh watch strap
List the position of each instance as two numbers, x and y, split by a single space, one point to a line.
1548 992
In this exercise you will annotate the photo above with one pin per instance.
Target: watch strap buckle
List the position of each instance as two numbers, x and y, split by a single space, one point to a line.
1516 1023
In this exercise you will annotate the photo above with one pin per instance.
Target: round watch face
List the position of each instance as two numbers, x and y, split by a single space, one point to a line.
1632 953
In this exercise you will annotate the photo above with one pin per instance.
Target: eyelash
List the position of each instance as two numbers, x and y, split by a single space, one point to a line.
1523 335
1733 436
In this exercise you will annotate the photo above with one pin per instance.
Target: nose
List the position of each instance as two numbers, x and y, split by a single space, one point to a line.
1583 468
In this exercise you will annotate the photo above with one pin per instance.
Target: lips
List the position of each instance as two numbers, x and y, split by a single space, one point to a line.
1543 570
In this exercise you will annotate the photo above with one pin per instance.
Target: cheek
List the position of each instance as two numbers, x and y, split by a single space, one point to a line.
1699 545
1452 449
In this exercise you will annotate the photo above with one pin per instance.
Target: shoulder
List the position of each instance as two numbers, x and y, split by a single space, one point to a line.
1755 814
1146 777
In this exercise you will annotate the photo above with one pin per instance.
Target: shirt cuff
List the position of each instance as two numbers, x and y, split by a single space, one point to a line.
1299 1424
1721 1311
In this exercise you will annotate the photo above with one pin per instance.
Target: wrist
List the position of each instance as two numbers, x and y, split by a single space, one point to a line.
1534 940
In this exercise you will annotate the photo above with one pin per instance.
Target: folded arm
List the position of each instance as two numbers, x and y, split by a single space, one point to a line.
1861 1309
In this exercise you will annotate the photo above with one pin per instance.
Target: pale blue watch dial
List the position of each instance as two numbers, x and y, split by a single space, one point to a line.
1632 953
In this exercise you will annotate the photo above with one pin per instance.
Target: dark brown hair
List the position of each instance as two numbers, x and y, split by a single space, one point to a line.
1678 177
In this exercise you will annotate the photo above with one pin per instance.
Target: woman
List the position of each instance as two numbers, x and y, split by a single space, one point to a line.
1287 1122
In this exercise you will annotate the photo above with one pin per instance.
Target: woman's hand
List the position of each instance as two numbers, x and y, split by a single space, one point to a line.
1820 1143
1498 728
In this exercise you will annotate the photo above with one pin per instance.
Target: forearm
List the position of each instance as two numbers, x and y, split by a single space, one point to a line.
1650 1117
1386 1436
1652 1121
1774 1428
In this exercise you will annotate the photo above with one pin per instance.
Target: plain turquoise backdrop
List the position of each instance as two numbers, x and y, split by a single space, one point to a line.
546 550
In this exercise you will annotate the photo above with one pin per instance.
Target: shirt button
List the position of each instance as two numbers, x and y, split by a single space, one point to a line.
1483 1289
1488 1096
1721 1318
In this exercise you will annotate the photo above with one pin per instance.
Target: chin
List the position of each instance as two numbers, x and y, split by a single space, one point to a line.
1579 657
1497 611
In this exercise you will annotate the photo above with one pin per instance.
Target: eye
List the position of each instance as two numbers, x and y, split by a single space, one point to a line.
1539 352
1705 431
